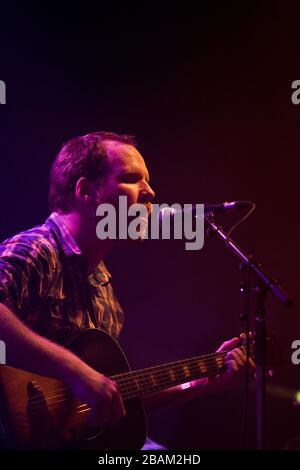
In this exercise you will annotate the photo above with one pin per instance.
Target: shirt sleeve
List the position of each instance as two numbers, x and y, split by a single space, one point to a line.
26 271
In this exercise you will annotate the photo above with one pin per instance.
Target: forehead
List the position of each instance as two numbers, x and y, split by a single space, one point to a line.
124 157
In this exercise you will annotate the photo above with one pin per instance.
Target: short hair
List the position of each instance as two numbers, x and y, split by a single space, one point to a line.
82 156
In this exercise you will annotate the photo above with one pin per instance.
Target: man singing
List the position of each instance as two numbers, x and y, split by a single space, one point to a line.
54 284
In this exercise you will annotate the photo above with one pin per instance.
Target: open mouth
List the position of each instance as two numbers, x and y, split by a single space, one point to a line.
148 206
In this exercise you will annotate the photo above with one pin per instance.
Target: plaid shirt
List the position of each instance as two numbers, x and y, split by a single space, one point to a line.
44 282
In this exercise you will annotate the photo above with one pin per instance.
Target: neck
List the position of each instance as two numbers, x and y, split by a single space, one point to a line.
83 230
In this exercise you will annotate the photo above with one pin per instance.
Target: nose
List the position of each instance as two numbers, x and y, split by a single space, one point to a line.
148 194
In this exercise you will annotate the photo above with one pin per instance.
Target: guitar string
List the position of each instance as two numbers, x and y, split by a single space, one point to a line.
142 375
132 375
61 403
160 384
65 406
143 382
128 378
127 393
128 386
142 385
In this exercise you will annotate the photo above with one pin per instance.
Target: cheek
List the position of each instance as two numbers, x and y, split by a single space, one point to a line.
111 194
130 192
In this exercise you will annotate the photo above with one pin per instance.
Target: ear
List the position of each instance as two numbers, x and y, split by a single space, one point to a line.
85 191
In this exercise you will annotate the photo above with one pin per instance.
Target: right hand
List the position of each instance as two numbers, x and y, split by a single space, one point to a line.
102 395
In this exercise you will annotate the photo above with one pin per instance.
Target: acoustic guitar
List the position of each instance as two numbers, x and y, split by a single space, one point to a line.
42 413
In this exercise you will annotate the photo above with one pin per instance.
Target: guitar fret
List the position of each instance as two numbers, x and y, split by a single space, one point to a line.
149 382
141 382
219 362
187 372
172 375
202 366
137 384
153 380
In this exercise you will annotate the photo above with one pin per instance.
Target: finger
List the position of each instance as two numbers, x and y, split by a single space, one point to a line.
118 408
105 402
227 345
244 352
252 363
241 354
101 414
232 367
243 337
234 355
105 410
251 334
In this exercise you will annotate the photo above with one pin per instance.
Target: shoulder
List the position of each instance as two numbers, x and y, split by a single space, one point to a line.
33 246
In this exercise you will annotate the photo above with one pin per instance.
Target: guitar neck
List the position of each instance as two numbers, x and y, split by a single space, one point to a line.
153 379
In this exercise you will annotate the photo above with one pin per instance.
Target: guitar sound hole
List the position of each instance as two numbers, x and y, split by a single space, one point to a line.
92 432
89 433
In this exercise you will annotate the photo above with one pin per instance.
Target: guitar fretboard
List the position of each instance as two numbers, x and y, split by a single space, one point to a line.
153 379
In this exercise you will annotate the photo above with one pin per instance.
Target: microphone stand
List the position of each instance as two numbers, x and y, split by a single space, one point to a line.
263 284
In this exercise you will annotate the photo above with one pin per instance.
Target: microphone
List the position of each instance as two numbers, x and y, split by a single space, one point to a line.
166 212
226 206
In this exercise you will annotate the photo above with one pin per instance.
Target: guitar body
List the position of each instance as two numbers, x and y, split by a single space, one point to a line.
41 413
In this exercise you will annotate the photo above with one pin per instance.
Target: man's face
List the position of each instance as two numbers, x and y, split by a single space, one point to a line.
128 176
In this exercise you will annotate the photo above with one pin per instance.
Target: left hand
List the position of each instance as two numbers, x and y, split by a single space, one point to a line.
235 361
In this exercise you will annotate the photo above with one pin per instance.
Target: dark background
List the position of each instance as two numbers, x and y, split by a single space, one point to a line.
207 92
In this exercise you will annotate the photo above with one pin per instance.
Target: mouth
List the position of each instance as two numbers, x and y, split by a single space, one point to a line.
148 206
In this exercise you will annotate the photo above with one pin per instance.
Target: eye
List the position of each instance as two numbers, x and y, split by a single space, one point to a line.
131 178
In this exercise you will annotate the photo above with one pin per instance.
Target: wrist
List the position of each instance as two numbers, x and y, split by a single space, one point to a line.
73 369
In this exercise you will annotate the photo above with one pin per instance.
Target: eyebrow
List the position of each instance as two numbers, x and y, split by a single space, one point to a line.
135 173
